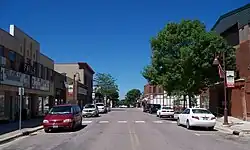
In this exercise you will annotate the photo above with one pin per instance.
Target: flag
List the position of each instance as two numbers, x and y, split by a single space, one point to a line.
221 71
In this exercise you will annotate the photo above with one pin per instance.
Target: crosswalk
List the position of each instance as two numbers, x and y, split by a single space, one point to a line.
125 121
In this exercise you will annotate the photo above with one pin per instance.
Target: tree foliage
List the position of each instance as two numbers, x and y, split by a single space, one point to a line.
132 96
106 85
182 57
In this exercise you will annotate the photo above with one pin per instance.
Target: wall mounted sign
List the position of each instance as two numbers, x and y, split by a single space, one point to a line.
70 90
82 91
40 84
11 77
230 78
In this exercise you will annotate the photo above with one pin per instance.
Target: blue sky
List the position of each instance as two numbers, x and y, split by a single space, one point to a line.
111 35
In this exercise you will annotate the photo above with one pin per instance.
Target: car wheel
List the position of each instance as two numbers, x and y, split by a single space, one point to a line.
73 126
157 115
188 125
46 130
80 123
178 122
211 128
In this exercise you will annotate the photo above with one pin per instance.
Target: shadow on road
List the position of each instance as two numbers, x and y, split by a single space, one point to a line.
76 129
119 109
199 129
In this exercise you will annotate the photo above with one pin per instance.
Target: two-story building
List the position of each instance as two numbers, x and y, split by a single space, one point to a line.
234 27
23 65
81 87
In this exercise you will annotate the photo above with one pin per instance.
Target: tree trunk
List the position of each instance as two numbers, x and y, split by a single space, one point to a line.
189 100
184 101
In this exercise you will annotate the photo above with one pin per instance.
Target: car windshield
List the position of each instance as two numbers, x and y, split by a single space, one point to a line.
60 110
99 104
89 106
166 108
201 111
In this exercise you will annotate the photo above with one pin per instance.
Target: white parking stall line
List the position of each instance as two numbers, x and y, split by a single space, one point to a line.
139 121
103 121
122 121
174 122
158 121
86 121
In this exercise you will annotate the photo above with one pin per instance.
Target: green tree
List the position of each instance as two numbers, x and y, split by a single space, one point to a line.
106 85
182 57
132 96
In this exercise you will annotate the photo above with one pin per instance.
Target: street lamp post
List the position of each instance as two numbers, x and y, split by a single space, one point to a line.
74 84
216 62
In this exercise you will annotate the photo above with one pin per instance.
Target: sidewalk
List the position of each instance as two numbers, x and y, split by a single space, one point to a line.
236 126
13 126
10 131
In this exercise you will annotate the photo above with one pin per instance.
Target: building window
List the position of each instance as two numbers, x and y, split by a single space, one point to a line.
39 70
34 56
12 55
45 74
12 58
1 50
28 53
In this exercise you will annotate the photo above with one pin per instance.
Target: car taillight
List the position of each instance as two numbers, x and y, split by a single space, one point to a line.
213 118
195 117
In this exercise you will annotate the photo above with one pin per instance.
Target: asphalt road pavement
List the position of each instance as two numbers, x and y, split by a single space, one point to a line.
129 129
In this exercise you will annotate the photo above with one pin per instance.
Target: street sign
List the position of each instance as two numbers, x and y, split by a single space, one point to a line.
20 91
230 78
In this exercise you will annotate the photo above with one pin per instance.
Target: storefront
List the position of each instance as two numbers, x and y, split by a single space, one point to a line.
10 80
81 94
42 98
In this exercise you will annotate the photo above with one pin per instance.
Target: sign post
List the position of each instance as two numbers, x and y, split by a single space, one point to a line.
230 78
21 93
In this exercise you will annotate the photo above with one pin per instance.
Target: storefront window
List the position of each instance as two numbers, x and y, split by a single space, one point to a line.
1 106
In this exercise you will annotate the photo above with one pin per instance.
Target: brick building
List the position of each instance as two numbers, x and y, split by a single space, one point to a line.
234 26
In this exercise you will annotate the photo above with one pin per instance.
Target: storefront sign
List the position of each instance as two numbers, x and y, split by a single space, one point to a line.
82 91
230 78
40 84
70 90
11 77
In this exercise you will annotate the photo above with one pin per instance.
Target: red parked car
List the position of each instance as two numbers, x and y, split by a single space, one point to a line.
63 117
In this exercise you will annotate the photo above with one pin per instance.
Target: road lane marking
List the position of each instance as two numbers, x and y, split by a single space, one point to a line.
122 121
139 121
158 121
197 134
86 122
173 122
103 121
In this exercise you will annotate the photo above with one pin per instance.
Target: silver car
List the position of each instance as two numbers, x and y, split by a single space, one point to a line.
90 110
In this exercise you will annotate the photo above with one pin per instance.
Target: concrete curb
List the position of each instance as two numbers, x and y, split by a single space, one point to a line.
229 131
23 133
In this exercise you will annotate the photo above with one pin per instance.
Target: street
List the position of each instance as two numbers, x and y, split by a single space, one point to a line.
129 129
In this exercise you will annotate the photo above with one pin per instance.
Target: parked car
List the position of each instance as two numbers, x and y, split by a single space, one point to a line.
146 108
197 117
101 108
63 116
90 110
176 114
153 108
165 111
108 108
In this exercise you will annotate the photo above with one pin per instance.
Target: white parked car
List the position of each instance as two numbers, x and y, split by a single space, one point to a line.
197 117
90 110
165 111
101 108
